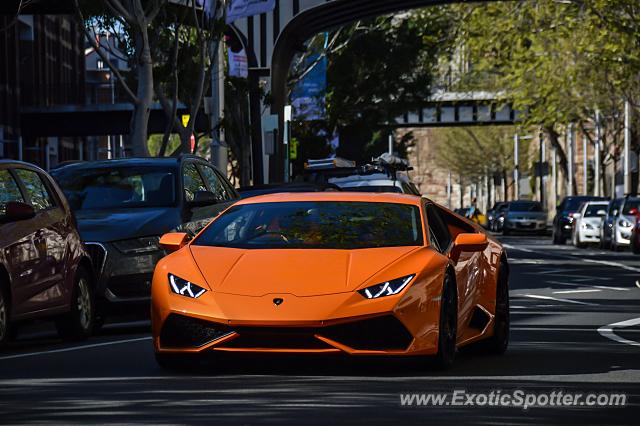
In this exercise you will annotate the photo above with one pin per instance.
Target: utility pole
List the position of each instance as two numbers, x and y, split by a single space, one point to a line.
584 165
554 175
542 197
597 190
219 155
570 157
516 165
627 148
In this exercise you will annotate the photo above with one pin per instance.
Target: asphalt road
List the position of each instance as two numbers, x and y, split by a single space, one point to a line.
573 330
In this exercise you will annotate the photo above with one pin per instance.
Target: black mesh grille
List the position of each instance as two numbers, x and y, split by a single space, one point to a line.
184 332
131 286
383 333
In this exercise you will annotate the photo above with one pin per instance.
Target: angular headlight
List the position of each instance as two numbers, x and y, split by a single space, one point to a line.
138 245
388 288
185 288
625 223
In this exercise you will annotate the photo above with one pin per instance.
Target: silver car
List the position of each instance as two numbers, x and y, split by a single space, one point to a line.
526 217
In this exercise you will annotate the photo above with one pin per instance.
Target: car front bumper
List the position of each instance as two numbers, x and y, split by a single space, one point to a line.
123 278
525 225
333 323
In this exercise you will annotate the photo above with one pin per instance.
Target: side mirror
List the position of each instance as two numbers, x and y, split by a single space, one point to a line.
17 211
174 241
468 243
203 199
577 215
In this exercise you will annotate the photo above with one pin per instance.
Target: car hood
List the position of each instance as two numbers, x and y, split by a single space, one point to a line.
595 221
298 272
113 225
526 215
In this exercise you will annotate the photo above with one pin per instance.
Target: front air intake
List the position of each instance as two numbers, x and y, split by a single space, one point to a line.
182 332
383 333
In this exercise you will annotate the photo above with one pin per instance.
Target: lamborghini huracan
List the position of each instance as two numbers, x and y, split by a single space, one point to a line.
332 272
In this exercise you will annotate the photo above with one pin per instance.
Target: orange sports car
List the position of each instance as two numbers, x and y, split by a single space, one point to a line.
353 273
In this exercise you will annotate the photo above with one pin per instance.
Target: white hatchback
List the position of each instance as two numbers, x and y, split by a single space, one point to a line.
588 221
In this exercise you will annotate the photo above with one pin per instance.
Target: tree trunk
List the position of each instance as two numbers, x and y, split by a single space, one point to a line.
142 108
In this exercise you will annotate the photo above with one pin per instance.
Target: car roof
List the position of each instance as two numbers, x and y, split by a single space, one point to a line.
129 162
16 163
334 196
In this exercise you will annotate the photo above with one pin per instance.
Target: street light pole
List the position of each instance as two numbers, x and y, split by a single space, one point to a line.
627 147
541 169
516 172
596 157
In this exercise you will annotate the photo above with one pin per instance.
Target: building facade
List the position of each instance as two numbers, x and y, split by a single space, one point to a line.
41 65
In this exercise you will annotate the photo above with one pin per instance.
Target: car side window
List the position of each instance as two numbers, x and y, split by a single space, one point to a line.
438 230
37 191
9 191
217 185
192 181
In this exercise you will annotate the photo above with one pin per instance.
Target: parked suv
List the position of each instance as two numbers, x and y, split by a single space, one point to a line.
44 269
124 206
563 220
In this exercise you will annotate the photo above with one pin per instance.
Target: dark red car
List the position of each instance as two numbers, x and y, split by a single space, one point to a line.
44 268
635 232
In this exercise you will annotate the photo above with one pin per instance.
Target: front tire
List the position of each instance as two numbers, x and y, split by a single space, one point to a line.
448 325
558 238
5 325
77 324
498 343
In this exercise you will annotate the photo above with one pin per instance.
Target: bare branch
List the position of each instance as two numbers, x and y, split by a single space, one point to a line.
92 40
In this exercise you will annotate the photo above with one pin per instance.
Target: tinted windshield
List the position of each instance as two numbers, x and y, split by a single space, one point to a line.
573 204
525 206
593 209
372 188
118 187
631 204
321 225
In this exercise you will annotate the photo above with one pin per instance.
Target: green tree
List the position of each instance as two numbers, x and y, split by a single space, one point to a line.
377 70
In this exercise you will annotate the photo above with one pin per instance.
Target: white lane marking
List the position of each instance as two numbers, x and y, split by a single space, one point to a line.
587 330
595 290
75 348
601 287
572 257
616 264
607 331
557 299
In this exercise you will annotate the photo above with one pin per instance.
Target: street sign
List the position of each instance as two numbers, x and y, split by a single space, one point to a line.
293 150
243 8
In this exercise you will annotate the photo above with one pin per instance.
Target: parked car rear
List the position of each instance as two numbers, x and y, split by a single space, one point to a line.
124 206
45 271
